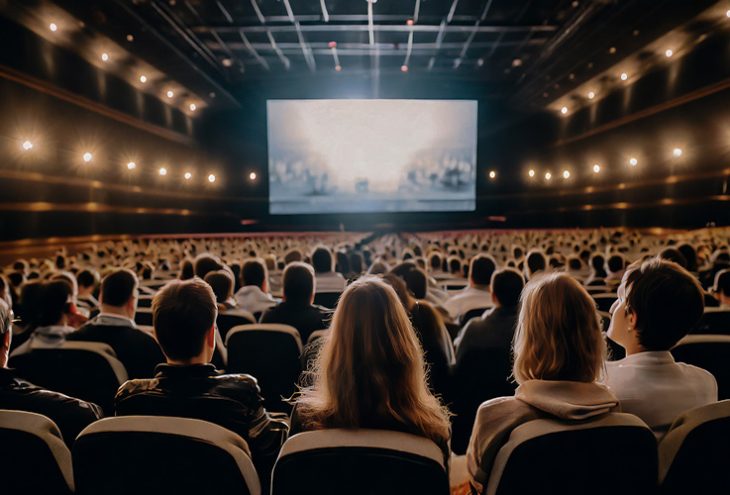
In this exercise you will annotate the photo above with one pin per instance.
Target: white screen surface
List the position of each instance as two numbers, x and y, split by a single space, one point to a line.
353 156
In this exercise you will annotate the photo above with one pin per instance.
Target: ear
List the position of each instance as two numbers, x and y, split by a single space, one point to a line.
632 319
494 298
210 337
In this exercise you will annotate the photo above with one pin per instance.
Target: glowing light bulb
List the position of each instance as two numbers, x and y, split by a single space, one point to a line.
338 68
566 174
162 171
633 161
143 79
564 110
193 107
87 157
596 168
404 68
492 174
27 145
624 76
131 166
677 152
105 57
668 53
170 93
531 173
252 176
548 176
53 27
211 178
188 176
591 95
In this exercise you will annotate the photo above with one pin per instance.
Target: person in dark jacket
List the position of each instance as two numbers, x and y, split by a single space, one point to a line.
297 309
496 327
187 385
70 415
137 350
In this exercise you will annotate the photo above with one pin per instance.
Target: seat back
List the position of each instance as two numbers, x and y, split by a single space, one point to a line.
694 454
144 301
710 352
472 313
33 456
714 321
572 458
327 299
226 321
604 300
143 316
479 375
270 352
317 334
359 462
162 455
86 370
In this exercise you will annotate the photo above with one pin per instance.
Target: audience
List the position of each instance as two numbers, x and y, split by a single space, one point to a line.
88 280
55 309
559 354
71 415
477 294
187 385
253 296
370 372
496 327
327 280
296 308
221 281
114 325
535 262
658 303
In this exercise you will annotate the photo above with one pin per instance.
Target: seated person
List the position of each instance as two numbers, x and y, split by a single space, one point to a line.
496 327
658 303
327 280
559 354
221 281
114 325
356 385
477 294
253 296
535 262
721 288
55 309
87 281
598 271
296 308
189 386
71 415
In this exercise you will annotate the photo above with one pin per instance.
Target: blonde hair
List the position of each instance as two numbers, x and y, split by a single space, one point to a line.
558 334
370 371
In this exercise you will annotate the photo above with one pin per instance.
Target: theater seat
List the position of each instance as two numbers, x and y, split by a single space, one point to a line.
86 370
464 318
270 352
143 316
359 462
33 456
317 334
694 456
327 299
226 321
144 301
714 321
615 454
710 352
155 455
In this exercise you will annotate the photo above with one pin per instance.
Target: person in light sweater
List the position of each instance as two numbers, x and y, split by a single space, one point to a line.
559 354
658 303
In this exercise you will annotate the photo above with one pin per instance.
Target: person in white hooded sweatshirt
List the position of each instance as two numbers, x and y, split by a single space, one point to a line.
559 354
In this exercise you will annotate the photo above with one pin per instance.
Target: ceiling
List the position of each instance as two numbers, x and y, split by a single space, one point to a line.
529 52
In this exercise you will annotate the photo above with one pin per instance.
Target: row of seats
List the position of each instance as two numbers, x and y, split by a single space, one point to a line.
614 454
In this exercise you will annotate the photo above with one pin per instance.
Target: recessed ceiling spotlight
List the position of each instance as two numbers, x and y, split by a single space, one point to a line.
87 157
612 50
517 62
633 161
227 62
130 38
624 76
591 95
531 173
596 168
142 78
404 68
566 174
727 14
492 174
252 176
193 107
27 145
211 178
53 27
677 152
105 57
668 53
564 110
170 93
548 176
188 176
131 166
162 171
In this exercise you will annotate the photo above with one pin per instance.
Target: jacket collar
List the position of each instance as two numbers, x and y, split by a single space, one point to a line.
165 370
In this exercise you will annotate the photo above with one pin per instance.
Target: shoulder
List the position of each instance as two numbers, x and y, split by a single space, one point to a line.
502 409
697 374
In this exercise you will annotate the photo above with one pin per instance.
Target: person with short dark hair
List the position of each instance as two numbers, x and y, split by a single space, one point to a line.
88 280
184 314
598 273
296 308
496 327
476 294
187 270
205 263
71 415
114 325
221 281
673 254
254 296
721 288
615 266
658 303
327 279
535 262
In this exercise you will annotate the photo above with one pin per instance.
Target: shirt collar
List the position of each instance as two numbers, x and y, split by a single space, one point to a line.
649 357
113 320
187 371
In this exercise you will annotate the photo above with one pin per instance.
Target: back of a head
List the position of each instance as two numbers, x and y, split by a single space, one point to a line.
293 256
87 278
454 265
615 263
690 254
371 367
507 285
535 262
322 260
357 262
673 254
187 270
417 282
29 303
667 300
182 314
222 283
597 264
298 283
722 282
205 263
558 335
253 272
481 268
434 261
118 287
53 302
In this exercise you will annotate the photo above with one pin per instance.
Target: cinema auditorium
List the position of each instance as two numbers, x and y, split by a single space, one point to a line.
365 247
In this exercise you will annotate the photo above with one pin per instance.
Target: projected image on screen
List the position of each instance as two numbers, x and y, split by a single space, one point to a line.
350 156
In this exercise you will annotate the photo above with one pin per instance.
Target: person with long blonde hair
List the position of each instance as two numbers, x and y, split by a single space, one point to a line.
559 357
370 372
